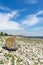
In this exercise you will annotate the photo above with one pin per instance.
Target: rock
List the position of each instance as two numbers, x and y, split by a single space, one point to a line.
11 44
1 50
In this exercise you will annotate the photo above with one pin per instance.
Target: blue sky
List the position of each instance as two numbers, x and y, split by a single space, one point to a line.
24 17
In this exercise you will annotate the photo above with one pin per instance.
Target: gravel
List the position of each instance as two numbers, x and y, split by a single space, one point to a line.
26 54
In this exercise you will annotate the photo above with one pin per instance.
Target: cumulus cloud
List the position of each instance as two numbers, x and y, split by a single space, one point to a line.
32 19
6 23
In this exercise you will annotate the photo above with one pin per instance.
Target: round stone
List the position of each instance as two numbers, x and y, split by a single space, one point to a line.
11 44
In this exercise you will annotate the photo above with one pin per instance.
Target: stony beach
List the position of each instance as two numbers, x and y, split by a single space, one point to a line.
28 52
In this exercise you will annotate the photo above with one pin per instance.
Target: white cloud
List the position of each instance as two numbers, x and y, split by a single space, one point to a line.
6 23
30 1
40 12
32 19
39 28
13 14
4 8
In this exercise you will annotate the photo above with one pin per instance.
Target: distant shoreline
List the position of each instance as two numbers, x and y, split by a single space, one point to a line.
32 37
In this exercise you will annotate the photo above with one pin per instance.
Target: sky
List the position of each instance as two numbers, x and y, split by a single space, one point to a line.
21 17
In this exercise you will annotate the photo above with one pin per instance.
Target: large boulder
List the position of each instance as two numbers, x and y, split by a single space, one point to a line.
11 44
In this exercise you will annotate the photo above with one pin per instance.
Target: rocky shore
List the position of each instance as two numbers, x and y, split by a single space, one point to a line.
26 54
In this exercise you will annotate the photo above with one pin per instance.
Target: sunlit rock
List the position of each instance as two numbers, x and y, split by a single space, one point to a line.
11 44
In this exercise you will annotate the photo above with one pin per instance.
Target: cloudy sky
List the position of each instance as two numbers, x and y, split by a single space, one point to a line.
22 17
